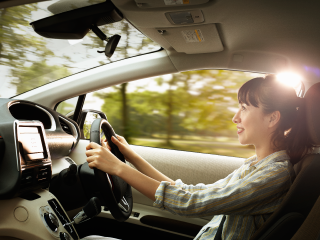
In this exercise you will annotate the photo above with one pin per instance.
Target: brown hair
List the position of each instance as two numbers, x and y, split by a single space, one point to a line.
291 133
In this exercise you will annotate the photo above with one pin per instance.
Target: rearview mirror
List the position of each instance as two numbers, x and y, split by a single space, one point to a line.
75 24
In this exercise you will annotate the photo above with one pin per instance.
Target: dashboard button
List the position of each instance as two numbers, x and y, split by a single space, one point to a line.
52 221
21 214
64 236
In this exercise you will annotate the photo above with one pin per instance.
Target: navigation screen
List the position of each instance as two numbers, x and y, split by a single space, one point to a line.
30 144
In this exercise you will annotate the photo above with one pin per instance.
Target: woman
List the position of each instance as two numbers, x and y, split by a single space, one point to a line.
271 118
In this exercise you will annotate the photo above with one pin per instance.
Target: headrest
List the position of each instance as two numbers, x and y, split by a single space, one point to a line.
312 105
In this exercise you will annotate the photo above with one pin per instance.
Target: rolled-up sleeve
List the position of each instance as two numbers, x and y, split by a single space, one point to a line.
159 203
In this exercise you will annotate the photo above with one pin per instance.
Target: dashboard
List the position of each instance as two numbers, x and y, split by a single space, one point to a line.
31 136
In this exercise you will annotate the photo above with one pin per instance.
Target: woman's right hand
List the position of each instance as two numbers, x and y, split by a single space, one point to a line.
123 146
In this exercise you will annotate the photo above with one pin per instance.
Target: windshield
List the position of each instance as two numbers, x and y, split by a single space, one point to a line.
28 60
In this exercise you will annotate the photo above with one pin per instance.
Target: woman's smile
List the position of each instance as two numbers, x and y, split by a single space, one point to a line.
240 130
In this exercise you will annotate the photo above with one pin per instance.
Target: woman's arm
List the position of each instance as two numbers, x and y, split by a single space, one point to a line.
241 197
136 160
101 158
144 184
146 168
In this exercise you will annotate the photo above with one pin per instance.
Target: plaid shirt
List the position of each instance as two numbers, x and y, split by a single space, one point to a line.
247 197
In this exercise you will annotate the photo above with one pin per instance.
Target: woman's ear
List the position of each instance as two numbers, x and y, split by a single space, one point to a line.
274 118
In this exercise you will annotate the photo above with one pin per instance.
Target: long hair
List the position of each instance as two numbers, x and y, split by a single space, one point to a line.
291 133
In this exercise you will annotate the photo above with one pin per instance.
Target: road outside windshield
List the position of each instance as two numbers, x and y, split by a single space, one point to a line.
28 60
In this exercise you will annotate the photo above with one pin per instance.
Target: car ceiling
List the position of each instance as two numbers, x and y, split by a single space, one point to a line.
259 36
269 35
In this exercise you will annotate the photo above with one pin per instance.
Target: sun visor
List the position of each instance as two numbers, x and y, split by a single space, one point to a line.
193 39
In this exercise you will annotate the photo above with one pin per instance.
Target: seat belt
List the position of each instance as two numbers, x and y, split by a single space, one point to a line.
219 231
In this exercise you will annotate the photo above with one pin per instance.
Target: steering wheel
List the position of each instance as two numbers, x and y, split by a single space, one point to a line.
116 194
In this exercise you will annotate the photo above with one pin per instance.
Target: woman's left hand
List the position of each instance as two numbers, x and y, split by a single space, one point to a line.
101 158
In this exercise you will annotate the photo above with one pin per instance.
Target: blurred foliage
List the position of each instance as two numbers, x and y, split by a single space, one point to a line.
15 44
131 44
193 113
194 104
86 130
90 117
25 54
38 74
30 60
227 147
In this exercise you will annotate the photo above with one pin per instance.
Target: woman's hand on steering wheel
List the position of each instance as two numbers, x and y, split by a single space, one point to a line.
128 153
102 158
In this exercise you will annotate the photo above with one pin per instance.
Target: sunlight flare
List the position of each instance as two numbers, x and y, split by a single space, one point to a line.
289 79
73 42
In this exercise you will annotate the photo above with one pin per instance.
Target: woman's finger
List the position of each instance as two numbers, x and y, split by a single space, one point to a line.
107 145
104 142
90 152
92 165
91 159
115 140
120 138
92 145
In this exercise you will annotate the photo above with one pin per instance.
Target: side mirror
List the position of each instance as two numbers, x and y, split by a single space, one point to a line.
86 119
70 115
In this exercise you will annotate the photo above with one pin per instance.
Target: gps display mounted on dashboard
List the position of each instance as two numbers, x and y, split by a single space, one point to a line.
26 158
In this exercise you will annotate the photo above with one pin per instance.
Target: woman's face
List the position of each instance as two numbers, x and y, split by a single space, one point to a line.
252 124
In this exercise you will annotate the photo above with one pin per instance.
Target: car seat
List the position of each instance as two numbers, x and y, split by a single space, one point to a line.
310 229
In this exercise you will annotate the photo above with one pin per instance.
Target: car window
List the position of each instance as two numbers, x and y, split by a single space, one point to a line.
190 111
90 117
67 107
28 60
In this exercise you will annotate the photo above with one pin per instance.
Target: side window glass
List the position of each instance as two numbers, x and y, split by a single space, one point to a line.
189 111
90 117
67 107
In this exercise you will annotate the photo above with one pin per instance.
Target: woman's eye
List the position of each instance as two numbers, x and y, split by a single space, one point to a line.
243 108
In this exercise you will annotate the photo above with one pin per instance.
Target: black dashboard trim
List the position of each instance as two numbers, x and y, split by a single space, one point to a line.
59 144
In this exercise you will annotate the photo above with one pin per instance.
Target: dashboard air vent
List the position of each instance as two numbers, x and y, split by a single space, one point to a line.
27 177
44 173
65 126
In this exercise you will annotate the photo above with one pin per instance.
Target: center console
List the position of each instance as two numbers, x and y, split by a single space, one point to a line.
35 216
28 211
25 163
34 156
52 216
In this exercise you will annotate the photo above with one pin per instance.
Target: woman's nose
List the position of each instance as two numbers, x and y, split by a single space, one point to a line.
236 118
